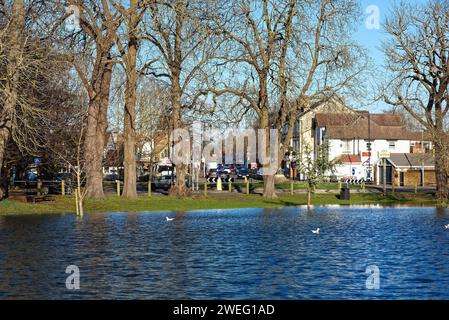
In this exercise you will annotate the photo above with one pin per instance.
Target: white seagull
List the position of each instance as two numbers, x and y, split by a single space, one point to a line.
446 226
317 231
169 219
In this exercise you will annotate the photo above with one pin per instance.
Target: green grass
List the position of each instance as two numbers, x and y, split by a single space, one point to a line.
298 185
214 201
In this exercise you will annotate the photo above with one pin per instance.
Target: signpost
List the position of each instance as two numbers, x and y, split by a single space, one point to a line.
384 155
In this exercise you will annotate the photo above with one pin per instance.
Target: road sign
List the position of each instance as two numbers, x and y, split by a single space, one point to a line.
384 154
212 180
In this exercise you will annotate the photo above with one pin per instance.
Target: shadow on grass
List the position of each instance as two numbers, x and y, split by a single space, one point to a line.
284 203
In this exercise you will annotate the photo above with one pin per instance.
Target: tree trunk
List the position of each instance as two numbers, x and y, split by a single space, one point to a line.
179 188
97 124
269 190
4 137
441 172
130 187
441 158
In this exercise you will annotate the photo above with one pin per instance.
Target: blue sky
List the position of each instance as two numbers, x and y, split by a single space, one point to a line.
372 40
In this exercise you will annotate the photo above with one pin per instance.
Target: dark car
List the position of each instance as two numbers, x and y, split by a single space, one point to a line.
111 177
162 182
242 172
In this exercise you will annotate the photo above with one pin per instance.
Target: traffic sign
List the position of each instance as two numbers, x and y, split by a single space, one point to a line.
384 154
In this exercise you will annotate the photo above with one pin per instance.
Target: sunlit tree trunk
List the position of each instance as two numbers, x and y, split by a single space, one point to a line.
97 124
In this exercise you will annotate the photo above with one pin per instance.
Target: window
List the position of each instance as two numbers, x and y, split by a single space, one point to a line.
346 145
392 144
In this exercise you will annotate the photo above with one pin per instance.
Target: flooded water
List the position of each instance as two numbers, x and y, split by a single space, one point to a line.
229 254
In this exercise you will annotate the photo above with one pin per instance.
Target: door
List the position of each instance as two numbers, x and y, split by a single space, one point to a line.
389 173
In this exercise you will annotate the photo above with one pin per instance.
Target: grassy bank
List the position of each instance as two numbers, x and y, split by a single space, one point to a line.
297 185
214 201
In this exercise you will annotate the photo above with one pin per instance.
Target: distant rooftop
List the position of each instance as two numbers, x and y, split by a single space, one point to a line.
362 125
409 160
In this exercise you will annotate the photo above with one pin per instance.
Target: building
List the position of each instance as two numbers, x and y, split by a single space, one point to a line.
304 130
407 169
357 138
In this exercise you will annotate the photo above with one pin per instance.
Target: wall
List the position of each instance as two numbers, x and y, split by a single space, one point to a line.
345 171
412 177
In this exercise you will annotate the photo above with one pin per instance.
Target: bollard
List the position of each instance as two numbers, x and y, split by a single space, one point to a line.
219 184
416 187
339 184
63 187
149 186
39 188
247 185
230 185
205 187
118 187
363 186
392 186
291 187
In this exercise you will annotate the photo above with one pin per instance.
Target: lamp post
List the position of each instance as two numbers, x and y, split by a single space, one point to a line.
369 148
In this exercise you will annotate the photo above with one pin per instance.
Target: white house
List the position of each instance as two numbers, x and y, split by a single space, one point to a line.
356 139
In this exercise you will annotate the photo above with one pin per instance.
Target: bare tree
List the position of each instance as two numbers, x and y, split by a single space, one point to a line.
418 55
177 31
294 55
25 62
128 46
69 148
99 21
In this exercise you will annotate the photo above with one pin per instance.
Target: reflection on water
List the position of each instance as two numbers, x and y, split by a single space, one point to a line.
229 254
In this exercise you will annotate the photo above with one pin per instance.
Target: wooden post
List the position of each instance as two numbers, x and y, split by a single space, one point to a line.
76 202
363 186
230 185
247 185
149 185
291 187
63 187
118 187
39 187
392 184
205 187
416 187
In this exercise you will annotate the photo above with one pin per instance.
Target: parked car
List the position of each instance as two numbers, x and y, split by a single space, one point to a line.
220 170
111 177
162 182
256 174
227 169
242 172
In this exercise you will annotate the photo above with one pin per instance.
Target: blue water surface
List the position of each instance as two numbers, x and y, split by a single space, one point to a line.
229 254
